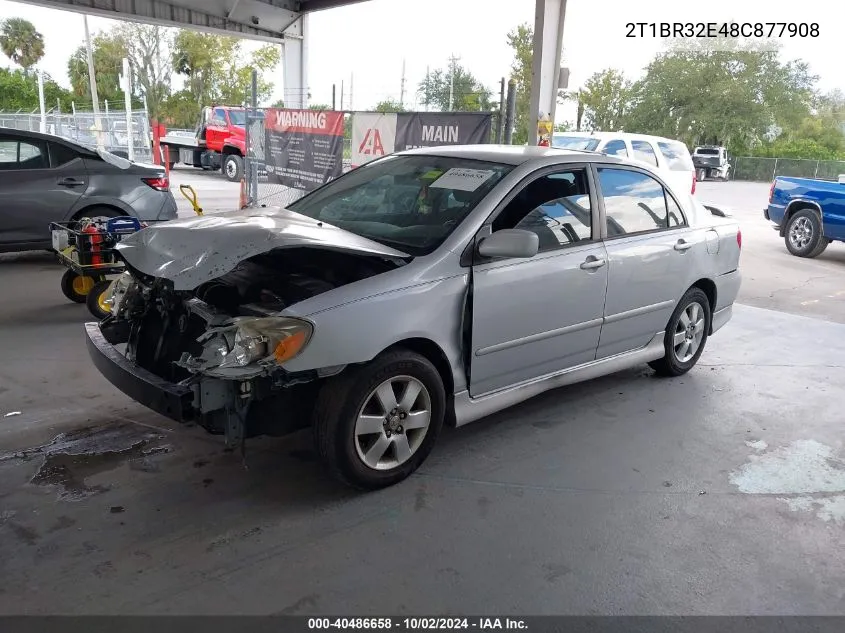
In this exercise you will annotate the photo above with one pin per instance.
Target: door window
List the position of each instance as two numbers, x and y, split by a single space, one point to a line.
556 207
61 154
644 151
219 117
635 202
616 147
22 155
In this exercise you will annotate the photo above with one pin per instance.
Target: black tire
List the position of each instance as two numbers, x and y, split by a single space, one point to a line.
233 167
671 364
340 401
94 300
810 222
75 287
99 212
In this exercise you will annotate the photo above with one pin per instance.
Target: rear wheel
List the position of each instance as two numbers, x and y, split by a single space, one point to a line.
233 167
96 299
375 425
804 234
76 287
686 334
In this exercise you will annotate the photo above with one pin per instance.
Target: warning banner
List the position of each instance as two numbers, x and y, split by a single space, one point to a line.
373 135
304 148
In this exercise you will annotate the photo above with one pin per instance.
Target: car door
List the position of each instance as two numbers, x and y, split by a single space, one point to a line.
32 192
217 130
648 244
532 317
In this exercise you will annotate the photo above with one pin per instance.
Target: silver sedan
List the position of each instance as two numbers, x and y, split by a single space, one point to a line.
431 286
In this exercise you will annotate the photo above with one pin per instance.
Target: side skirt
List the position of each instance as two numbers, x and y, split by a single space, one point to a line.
469 409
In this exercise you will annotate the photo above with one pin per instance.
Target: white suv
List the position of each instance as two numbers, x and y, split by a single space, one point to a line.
670 156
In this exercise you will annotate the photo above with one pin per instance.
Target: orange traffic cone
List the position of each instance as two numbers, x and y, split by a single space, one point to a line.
243 202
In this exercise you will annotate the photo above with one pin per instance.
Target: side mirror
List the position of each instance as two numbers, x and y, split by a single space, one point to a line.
510 243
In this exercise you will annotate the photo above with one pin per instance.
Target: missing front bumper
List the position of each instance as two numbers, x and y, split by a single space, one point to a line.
165 398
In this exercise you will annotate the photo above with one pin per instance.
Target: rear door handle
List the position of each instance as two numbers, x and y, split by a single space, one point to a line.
71 182
682 246
593 263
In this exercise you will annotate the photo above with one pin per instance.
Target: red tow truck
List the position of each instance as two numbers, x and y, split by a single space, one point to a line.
219 142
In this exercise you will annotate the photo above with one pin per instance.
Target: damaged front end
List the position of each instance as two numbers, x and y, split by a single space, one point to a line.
214 355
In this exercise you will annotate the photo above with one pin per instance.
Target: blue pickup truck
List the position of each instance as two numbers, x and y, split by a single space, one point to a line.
809 214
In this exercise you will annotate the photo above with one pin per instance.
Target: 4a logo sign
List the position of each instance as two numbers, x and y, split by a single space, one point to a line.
371 145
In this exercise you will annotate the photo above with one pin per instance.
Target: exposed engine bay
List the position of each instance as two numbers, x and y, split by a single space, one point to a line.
227 337
268 283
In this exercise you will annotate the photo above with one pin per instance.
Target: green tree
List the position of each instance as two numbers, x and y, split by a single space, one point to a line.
390 105
521 40
604 100
468 93
217 72
19 91
21 43
148 48
108 52
730 96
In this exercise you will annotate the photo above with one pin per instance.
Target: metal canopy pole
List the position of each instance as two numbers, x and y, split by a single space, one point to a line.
549 19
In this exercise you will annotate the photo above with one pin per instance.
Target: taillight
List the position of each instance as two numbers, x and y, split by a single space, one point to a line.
739 238
693 182
162 184
772 191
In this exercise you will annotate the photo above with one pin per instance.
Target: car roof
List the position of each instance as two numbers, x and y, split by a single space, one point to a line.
622 135
509 154
40 136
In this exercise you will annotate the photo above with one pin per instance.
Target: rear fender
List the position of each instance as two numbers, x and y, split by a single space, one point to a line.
797 205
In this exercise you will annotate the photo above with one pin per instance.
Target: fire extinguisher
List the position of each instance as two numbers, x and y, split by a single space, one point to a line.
94 240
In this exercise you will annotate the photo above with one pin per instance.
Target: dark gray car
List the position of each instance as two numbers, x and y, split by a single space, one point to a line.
45 178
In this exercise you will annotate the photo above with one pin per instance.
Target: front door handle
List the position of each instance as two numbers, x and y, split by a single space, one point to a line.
71 182
593 263
682 246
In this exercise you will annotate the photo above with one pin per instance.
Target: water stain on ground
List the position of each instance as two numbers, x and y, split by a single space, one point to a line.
71 458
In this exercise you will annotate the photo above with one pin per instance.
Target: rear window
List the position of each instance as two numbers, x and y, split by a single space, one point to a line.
706 151
677 156
588 143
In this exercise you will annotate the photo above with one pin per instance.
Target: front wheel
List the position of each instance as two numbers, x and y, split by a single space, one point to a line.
804 234
375 425
233 167
686 334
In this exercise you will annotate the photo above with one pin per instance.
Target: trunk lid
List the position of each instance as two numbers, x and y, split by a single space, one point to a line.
191 251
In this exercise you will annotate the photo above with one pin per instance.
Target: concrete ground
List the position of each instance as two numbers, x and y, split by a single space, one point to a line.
721 492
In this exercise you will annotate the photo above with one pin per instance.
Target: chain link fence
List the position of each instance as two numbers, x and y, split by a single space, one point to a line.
260 191
81 128
759 169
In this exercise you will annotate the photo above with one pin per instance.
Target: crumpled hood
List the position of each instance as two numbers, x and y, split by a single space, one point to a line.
194 250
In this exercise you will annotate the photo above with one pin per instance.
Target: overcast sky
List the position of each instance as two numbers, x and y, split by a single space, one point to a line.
365 44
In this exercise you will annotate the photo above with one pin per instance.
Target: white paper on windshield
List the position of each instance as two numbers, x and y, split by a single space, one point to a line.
463 179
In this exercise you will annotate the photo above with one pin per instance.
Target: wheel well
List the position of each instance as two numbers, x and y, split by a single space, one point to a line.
793 208
229 149
432 351
85 210
708 288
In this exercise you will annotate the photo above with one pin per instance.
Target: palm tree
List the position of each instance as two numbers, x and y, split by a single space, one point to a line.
20 42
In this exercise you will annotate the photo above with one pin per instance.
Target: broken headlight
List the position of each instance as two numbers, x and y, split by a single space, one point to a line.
249 340
118 290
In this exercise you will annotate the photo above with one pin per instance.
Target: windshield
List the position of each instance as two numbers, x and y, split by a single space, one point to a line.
676 155
412 203
588 143
237 117
707 151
